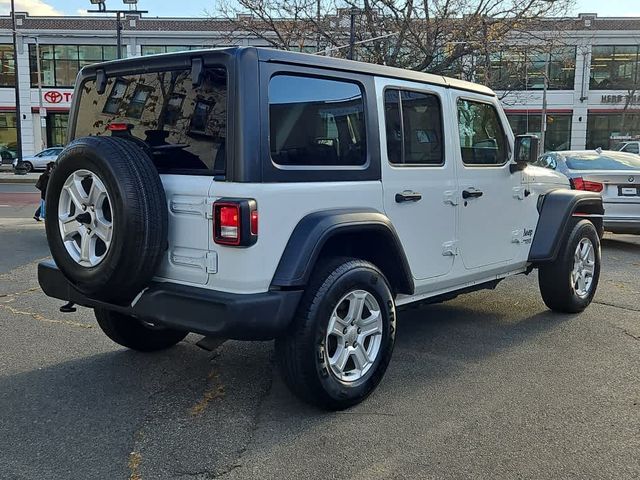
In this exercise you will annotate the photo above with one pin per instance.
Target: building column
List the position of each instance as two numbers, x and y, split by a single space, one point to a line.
24 80
580 97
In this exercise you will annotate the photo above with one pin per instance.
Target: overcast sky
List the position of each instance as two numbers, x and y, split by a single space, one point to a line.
196 8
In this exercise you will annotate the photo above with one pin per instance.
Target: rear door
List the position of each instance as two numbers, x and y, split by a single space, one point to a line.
418 181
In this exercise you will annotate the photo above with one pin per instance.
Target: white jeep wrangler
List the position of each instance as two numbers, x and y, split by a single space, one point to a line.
252 194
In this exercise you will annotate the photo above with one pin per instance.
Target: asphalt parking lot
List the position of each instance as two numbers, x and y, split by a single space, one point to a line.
489 385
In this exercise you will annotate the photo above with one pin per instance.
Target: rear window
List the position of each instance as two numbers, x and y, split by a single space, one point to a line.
603 161
316 122
184 127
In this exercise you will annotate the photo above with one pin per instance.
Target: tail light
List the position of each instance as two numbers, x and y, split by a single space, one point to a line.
119 127
235 222
580 183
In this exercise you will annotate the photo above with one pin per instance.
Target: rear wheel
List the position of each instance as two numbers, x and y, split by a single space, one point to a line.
342 338
133 333
569 284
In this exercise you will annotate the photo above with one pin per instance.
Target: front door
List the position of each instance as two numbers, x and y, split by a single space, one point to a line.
418 181
492 203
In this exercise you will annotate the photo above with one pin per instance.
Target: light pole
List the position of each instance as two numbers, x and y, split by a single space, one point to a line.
102 8
352 30
17 84
543 120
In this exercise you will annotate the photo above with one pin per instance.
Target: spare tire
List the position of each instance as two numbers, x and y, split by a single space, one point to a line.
106 217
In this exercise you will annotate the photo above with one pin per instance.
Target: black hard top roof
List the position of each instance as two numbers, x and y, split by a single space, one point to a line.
154 62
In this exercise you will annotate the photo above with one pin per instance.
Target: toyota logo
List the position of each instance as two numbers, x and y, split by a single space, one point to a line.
53 97
631 179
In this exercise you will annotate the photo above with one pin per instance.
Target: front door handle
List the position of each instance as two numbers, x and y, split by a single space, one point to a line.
471 193
408 196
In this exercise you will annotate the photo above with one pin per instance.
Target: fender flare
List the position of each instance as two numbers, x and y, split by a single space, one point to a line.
314 230
557 208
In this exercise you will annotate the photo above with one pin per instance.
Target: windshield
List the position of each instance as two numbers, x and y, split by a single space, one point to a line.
602 161
618 145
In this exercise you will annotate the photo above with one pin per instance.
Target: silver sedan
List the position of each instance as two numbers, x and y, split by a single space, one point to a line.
616 175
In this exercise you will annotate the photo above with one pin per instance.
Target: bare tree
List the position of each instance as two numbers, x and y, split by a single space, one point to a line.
428 35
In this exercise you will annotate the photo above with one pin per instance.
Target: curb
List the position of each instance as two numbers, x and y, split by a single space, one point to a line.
17 180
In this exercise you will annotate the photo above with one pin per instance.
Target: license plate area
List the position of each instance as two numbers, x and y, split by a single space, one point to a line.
629 190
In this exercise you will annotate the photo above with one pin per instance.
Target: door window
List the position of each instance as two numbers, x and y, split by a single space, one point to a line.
631 148
316 122
482 138
414 128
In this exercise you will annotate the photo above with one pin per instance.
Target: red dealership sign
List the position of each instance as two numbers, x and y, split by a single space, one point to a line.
54 96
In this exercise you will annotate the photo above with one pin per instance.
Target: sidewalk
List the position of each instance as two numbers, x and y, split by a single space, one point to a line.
7 176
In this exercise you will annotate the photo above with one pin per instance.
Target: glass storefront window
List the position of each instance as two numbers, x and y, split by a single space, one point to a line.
558 136
156 49
562 68
60 64
606 129
8 136
7 66
525 70
614 67
57 129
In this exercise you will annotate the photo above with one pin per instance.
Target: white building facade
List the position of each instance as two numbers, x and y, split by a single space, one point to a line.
593 98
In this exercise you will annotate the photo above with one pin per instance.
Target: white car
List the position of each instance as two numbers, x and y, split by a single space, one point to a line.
40 160
258 194
631 146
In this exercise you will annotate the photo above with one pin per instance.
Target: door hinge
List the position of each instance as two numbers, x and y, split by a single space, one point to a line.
451 197
190 206
211 262
450 249
520 193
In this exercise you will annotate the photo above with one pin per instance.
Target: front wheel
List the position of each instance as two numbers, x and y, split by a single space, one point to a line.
569 284
135 334
340 343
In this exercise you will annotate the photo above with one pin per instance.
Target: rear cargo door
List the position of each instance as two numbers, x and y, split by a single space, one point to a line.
188 258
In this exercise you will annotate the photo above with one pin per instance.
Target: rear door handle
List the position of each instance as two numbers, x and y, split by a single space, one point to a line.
471 193
408 196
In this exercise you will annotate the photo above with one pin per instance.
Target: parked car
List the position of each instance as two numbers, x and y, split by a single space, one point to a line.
39 160
613 174
629 147
256 194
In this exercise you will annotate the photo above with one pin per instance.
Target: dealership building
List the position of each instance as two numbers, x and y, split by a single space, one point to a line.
593 73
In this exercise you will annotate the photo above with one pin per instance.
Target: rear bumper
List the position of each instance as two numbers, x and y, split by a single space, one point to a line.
258 316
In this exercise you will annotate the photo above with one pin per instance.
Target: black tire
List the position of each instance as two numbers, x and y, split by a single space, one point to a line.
558 290
139 217
301 354
132 333
27 167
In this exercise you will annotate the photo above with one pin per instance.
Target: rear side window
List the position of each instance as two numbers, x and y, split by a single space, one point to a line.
316 122
482 138
184 127
414 128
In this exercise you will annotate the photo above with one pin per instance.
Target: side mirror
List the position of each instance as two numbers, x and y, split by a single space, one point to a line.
526 151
